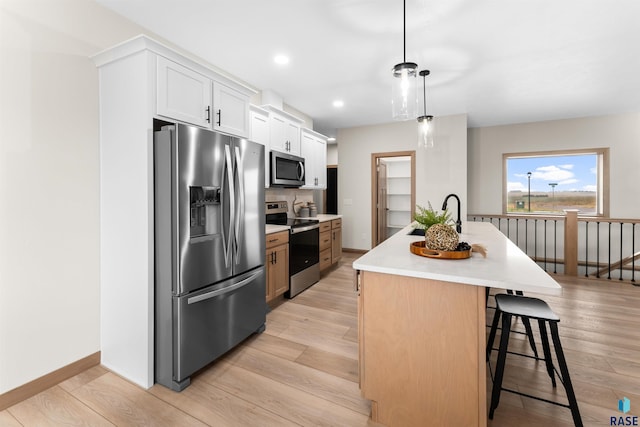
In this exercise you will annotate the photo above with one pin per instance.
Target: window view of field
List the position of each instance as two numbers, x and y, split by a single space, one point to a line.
555 202
552 183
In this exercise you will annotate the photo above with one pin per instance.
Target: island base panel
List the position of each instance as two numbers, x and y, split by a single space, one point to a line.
422 350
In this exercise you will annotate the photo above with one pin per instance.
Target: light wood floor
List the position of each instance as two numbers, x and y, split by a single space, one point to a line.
303 370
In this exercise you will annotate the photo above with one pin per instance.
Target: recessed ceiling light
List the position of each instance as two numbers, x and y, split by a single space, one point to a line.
281 59
338 103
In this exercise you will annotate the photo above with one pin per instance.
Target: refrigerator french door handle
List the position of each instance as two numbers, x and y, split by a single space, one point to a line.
223 227
239 220
224 290
232 198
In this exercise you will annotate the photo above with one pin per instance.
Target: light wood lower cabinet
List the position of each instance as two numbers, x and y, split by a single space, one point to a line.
325 245
336 240
330 243
277 264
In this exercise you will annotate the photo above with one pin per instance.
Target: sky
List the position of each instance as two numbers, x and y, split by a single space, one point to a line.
571 173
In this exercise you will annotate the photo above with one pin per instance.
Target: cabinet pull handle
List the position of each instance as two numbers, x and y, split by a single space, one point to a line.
208 110
275 257
273 240
219 117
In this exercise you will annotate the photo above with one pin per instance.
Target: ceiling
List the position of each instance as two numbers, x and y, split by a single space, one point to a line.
498 61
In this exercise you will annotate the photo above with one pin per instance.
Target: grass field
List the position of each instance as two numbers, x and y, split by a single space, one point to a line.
548 202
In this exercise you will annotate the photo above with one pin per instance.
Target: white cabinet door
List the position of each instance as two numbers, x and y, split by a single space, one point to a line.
182 94
314 151
321 163
278 127
230 111
293 138
284 131
308 152
260 133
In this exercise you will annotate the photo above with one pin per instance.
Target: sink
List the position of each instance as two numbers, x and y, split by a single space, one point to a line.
417 232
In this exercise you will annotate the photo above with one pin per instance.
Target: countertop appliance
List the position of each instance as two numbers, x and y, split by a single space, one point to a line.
287 170
209 248
304 247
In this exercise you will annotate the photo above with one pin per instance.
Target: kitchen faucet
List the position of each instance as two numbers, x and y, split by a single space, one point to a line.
444 207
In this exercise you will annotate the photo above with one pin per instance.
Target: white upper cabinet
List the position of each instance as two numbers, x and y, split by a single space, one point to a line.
293 136
183 94
230 110
314 151
284 131
189 92
259 132
259 119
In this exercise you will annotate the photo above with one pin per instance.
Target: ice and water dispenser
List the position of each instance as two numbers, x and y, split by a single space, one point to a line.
205 210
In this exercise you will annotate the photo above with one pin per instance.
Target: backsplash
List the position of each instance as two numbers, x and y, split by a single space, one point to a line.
295 195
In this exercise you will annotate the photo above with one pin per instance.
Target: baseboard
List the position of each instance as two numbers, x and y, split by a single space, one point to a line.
38 385
355 251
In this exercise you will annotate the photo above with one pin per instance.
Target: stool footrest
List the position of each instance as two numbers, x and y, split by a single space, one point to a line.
564 405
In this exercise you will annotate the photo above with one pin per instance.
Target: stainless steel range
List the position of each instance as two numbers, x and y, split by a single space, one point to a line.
304 247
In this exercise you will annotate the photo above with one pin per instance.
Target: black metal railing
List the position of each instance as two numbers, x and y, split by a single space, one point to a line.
611 249
567 244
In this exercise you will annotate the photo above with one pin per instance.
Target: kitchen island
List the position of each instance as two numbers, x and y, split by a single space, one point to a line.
421 326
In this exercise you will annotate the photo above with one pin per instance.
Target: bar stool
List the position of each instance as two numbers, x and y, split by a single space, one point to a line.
525 322
507 306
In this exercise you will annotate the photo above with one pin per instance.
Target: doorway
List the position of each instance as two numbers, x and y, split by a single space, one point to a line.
393 188
331 193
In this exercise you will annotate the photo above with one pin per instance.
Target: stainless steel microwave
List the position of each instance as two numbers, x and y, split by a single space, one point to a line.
286 170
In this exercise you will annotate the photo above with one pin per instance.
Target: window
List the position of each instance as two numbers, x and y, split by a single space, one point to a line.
550 182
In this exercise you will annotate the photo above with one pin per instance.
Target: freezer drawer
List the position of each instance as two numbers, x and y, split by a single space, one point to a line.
207 323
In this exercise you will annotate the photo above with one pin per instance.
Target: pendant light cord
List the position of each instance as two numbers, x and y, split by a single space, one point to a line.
404 29
424 93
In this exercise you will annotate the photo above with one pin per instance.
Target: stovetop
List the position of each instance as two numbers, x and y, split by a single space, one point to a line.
277 215
295 222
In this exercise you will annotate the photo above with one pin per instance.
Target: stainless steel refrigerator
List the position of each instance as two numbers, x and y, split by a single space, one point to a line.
209 248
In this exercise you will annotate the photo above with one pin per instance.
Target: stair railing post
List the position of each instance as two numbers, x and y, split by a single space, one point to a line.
571 242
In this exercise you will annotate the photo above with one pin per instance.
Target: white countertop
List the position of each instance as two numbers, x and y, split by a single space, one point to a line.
505 267
272 228
326 217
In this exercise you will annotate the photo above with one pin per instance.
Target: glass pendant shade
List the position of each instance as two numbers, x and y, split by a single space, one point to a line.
404 99
425 131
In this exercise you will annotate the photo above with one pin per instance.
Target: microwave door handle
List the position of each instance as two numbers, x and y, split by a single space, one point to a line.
301 171
239 223
232 198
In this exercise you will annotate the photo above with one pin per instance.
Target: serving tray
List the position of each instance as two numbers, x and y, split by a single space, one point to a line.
419 248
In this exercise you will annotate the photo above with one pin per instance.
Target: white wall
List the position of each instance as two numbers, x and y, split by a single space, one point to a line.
621 133
332 154
49 183
439 171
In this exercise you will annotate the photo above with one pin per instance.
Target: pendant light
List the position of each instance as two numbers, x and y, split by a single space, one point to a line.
425 123
404 100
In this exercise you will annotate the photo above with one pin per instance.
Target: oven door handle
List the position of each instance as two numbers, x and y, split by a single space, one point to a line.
305 228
